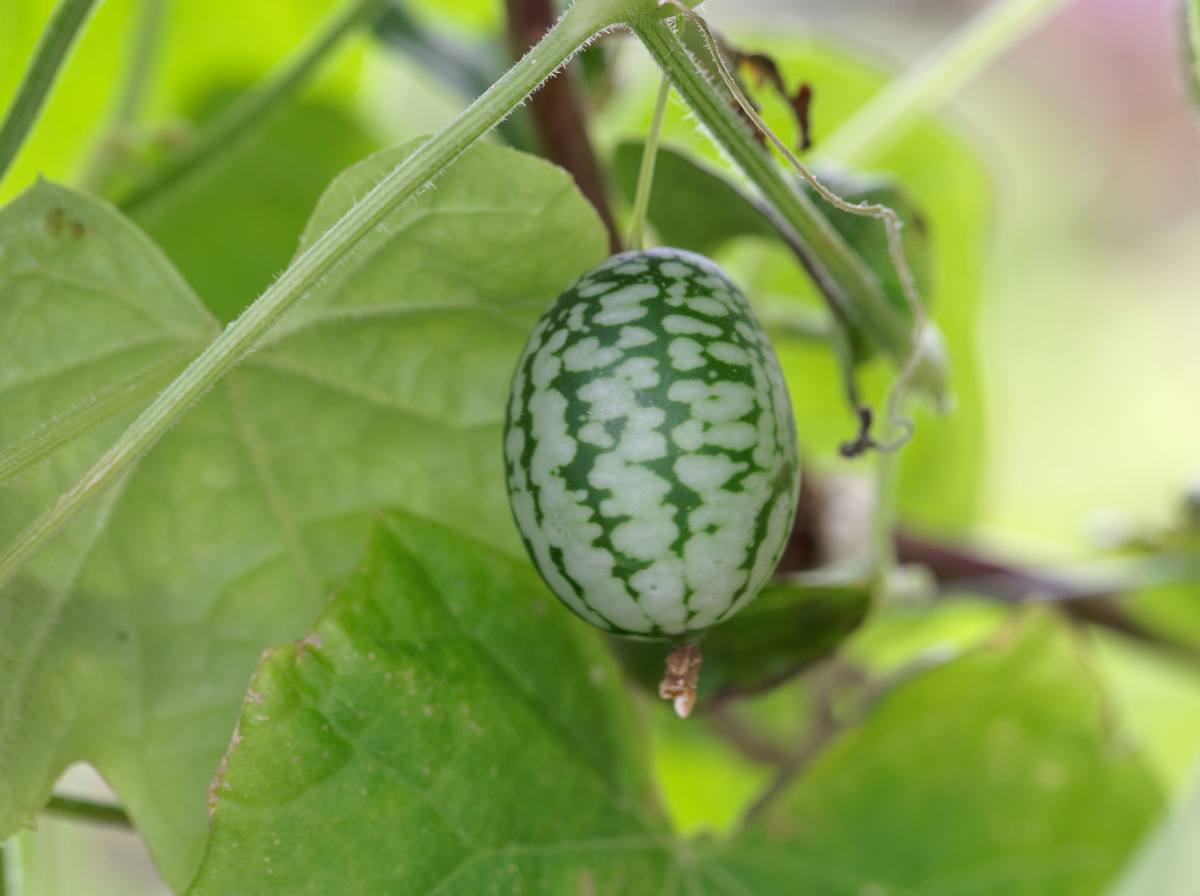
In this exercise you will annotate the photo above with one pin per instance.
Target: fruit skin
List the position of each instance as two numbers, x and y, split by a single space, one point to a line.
650 448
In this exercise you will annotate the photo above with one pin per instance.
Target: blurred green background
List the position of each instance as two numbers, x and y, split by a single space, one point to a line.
1086 419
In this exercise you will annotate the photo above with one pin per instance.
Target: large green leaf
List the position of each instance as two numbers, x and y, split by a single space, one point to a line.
996 774
451 727
88 307
129 640
448 729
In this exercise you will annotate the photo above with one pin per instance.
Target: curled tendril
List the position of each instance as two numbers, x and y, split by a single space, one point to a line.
892 225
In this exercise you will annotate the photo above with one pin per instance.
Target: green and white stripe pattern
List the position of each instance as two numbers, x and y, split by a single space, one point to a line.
650 448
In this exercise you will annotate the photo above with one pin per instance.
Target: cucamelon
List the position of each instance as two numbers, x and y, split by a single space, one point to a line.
650 448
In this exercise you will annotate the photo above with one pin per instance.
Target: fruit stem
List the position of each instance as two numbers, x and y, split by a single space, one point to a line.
679 678
641 198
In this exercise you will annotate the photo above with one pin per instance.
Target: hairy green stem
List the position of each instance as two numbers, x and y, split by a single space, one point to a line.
88 810
645 181
934 79
852 291
39 444
48 58
250 112
580 23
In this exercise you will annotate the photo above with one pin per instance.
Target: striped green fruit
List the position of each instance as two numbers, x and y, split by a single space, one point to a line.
650 448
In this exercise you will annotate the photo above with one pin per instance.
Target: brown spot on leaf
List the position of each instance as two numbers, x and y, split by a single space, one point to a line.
310 642
54 221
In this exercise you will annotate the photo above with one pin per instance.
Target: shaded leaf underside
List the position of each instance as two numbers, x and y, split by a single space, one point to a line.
128 642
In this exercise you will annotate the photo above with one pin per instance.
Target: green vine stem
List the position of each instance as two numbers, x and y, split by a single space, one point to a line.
579 24
250 111
852 290
936 77
52 49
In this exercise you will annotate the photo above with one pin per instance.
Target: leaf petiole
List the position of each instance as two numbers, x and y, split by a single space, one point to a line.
641 198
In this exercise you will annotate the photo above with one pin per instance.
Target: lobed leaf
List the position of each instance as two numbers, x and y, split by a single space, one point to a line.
995 774
446 728
129 641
